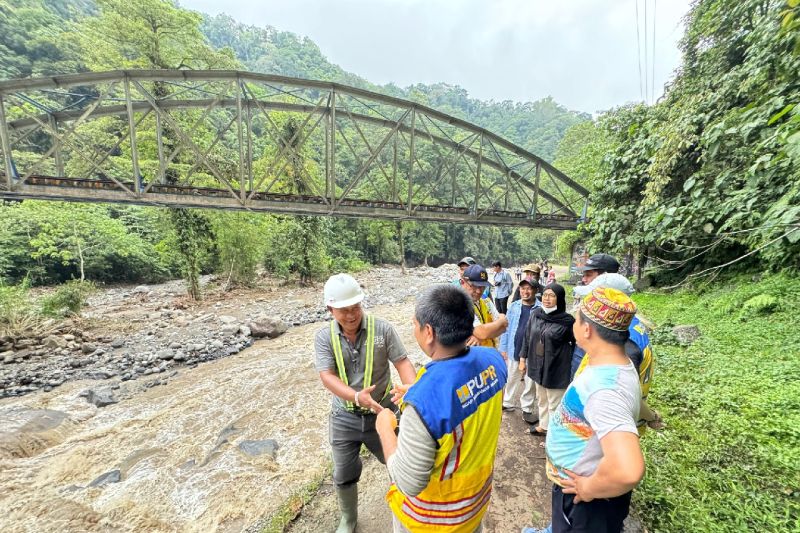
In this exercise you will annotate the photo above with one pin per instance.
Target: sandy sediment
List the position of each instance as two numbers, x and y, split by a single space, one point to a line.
175 446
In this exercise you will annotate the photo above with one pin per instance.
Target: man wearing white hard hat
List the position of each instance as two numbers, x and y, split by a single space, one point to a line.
353 353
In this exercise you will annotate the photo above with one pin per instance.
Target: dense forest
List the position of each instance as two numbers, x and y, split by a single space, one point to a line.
154 244
708 177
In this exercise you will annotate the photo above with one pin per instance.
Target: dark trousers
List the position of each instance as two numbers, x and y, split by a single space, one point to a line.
604 515
501 304
348 431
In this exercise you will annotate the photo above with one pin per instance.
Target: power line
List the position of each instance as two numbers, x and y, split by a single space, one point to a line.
646 88
653 66
638 49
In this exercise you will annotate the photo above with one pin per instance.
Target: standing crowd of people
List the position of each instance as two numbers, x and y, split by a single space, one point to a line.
579 371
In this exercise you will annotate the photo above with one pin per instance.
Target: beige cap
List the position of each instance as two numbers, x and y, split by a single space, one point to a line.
533 267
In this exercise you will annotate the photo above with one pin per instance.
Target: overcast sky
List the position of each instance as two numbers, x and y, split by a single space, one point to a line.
581 52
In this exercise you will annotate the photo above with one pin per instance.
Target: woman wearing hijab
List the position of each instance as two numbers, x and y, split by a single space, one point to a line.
546 351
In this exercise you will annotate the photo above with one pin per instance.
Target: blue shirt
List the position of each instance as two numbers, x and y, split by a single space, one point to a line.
503 284
514 315
524 316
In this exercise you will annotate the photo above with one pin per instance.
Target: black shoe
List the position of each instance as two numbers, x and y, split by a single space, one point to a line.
533 430
506 408
530 418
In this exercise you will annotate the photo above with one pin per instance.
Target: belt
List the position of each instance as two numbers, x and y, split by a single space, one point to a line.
360 412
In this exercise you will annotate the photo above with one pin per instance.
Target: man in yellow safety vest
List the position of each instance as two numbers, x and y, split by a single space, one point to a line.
353 353
442 464
489 324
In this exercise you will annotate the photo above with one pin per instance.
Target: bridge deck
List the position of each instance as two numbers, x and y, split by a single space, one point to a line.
98 190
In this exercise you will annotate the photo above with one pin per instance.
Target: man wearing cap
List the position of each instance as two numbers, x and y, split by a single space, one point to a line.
592 447
596 265
488 324
519 313
531 273
502 287
353 353
637 347
462 266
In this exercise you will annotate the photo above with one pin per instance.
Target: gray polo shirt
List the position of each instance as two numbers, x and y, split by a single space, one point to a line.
388 348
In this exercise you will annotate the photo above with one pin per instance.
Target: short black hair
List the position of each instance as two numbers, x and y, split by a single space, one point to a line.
497 264
611 336
448 310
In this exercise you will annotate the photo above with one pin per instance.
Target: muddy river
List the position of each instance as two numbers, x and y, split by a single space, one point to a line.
171 458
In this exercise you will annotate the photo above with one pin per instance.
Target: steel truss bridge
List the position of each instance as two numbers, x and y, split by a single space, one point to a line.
245 141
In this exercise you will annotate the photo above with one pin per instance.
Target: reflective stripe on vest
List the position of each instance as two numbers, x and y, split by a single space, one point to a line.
460 402
336 342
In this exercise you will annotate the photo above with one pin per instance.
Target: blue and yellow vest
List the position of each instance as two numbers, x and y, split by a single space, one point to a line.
460 402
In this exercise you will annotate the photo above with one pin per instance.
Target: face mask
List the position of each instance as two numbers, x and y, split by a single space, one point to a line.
549 310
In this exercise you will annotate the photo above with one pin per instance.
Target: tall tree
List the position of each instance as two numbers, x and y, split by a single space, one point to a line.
157 34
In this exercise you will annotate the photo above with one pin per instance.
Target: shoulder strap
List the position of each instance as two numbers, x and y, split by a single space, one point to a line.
336 342
370 351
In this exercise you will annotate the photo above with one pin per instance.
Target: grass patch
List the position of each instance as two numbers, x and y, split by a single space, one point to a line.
21 315
730 456
291 508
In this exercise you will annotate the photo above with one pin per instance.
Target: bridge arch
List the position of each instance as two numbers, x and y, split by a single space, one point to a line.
240 140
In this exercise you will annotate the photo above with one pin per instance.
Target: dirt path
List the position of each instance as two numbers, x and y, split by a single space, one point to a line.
521 494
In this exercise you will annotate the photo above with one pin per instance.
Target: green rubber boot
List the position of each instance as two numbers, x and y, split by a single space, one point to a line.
348 506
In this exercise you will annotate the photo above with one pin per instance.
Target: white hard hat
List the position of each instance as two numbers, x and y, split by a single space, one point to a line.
612 280
341 290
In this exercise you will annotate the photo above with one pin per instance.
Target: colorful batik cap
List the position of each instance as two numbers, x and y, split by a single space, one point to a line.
609 308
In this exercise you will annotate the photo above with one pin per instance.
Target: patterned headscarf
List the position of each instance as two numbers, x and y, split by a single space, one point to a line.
609 308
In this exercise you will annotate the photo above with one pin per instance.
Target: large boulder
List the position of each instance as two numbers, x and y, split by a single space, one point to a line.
88 347
270 327
686 334
260 447
113 476
100 397
54 341
227 319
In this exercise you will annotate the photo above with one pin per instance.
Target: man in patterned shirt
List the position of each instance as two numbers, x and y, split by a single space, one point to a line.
592 447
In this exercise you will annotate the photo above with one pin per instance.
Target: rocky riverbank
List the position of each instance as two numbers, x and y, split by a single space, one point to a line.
139 336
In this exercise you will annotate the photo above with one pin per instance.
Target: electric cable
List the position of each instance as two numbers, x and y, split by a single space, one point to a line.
639 49
653 65
646 71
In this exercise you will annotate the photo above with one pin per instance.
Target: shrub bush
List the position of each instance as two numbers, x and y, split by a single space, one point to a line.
729 458
18 315
762 304
68 299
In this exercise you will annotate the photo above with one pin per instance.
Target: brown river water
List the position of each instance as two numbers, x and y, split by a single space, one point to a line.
175 446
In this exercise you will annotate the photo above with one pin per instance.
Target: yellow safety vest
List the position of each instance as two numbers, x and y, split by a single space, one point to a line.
460 485
482 310
336 342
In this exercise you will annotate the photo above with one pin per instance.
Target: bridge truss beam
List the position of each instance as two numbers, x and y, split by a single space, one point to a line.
236 140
